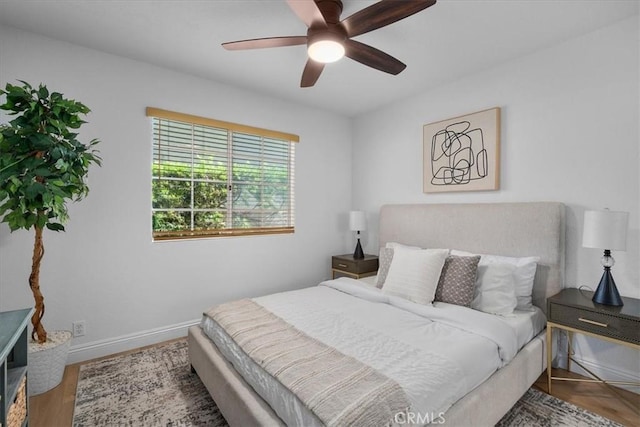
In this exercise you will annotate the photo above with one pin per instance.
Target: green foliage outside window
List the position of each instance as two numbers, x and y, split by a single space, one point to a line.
255 191
209 192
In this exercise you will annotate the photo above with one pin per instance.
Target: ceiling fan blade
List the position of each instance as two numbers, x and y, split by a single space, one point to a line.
382 13
308 12
311 73
265 42
372 57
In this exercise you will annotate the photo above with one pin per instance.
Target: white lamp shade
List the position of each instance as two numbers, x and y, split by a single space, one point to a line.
605 230
357 221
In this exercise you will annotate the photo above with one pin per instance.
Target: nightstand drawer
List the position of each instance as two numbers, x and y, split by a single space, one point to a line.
612 326
347 264
355 266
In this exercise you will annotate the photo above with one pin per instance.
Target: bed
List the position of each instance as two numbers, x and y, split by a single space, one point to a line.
507 229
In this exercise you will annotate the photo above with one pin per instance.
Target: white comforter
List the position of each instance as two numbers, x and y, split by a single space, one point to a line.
436 353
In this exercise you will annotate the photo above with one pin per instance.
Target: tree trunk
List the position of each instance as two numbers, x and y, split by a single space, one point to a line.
34 283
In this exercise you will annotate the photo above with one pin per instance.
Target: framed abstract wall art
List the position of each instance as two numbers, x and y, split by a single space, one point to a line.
463 153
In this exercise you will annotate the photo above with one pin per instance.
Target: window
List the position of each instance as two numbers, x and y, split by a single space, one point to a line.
212 178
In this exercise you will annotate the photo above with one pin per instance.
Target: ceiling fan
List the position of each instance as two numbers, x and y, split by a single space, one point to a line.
328 38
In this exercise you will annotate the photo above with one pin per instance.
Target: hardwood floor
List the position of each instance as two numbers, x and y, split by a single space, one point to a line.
614 403
55 408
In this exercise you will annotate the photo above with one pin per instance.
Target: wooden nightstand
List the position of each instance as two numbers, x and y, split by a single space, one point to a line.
347 266
573 311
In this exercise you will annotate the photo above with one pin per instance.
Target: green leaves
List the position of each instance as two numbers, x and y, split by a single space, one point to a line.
42 164
55 226
33 190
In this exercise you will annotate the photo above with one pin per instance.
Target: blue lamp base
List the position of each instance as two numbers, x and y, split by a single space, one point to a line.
607 293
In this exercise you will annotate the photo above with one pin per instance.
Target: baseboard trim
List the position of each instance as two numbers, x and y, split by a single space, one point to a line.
606 373
101 348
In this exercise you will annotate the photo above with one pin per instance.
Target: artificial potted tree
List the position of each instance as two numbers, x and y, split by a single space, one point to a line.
42 167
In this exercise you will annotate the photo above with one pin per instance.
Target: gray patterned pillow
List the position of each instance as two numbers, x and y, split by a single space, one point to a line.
384 262
458 280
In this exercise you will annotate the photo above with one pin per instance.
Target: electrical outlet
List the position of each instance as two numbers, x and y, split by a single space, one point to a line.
78 328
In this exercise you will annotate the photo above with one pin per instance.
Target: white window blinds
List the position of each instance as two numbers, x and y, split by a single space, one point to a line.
212 178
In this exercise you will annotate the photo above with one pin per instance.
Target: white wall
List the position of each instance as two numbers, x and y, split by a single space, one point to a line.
105 269
570 118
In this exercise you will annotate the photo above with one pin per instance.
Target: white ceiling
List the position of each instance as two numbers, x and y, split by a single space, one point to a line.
449 40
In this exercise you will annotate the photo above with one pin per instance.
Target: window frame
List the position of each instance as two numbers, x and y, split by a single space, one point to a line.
157 113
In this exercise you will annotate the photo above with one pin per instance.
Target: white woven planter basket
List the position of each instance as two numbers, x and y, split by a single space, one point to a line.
47 362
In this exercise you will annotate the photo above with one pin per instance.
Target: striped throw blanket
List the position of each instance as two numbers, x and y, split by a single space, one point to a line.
339 389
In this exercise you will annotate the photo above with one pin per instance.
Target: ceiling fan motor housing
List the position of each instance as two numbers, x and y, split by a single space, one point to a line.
331 10
328 38
333 30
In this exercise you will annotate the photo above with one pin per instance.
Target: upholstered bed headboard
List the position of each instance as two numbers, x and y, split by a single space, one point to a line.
508 229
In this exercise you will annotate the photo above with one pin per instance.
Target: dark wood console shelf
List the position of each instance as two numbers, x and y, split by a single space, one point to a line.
13 364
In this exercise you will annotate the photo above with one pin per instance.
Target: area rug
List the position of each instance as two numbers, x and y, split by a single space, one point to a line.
150 387
155 387
539 409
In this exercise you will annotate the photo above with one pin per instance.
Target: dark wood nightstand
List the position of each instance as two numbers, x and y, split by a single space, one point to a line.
347 266
573 310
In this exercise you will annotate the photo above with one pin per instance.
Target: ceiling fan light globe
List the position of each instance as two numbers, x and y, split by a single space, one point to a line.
325 51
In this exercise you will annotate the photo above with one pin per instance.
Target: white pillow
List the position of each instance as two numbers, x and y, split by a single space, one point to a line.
523 274
494 292
414 274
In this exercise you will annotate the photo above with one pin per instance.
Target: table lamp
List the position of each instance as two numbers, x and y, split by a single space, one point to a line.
357 223
606 230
